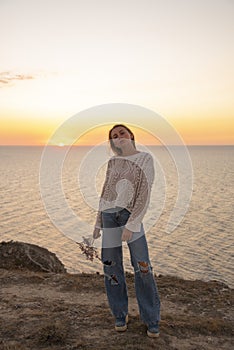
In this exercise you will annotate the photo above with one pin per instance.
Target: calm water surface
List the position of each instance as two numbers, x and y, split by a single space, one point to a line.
201 247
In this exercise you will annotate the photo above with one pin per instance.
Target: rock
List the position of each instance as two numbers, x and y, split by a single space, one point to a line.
20 255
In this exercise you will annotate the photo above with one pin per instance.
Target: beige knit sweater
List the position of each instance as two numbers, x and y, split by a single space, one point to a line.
128 185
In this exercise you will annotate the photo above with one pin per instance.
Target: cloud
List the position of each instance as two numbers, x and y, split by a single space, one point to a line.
7 78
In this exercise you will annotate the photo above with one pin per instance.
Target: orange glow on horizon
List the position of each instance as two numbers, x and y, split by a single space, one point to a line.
193 131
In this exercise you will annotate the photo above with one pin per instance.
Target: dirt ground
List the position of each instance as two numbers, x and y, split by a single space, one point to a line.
41 310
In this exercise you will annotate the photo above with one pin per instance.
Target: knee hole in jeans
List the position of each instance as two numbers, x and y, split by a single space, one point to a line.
111 277
144 267
108 263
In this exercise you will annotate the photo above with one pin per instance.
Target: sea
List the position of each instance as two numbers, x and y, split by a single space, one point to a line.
49 197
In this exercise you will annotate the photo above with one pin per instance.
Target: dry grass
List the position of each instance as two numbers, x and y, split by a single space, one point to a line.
68 312
52 332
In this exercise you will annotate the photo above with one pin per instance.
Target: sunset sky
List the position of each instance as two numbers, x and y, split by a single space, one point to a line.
175 57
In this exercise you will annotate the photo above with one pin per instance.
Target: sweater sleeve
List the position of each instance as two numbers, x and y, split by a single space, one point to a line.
98 223
142 197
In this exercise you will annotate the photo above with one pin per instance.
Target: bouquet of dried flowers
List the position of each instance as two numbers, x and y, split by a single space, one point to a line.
88 249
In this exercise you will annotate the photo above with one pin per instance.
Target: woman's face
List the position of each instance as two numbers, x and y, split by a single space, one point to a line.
121 137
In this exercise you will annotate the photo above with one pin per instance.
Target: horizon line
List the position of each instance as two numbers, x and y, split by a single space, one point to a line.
91 145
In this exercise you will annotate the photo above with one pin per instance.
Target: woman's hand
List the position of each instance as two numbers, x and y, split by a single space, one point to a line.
96 233
126 235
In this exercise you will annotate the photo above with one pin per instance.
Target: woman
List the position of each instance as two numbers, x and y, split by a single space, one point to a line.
123 204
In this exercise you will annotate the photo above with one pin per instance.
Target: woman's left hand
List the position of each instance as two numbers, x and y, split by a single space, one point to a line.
126 235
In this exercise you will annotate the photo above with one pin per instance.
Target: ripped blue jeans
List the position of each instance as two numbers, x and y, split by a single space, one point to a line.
112 258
